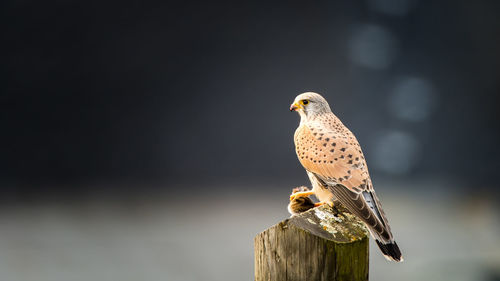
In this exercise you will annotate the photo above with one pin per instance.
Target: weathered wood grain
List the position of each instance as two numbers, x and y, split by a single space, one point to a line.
319 244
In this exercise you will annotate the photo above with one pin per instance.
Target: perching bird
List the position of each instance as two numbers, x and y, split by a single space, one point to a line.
335 164
300 204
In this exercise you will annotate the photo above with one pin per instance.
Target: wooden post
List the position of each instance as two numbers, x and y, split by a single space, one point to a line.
320 244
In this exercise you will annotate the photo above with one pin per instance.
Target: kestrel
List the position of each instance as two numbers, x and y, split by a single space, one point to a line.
337 169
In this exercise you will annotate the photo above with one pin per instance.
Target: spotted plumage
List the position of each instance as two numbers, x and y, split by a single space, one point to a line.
335 164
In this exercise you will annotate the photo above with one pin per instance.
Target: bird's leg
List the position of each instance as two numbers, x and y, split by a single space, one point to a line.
300 194
329 203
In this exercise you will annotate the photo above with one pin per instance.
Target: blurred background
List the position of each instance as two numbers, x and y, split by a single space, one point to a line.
152 140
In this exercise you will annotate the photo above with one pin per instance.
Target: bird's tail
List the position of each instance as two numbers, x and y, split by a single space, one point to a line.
390 250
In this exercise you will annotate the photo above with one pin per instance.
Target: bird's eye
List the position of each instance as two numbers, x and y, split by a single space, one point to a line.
304 102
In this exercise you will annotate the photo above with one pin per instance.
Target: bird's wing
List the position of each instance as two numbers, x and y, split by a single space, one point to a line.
363 206
338 163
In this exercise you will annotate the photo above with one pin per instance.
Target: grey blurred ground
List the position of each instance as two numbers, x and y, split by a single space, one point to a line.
209 236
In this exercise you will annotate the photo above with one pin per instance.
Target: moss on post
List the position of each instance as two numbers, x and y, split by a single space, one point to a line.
320 244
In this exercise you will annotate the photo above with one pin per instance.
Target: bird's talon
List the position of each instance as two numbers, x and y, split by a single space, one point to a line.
300 194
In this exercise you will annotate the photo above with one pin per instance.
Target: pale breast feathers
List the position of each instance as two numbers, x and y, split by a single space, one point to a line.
333 154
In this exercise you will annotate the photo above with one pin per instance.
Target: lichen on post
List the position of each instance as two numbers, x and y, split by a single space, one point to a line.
320 244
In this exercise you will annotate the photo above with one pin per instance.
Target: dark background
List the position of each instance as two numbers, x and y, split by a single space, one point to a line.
124 98
167 90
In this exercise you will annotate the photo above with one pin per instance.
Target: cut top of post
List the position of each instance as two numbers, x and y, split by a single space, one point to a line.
323 222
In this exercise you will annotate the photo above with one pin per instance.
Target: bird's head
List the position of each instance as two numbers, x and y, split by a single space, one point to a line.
310 105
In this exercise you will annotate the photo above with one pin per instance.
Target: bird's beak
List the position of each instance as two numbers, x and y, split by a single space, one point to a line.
295 107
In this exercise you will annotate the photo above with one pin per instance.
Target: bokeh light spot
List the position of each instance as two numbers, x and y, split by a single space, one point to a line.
372 46
396 152
413 99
